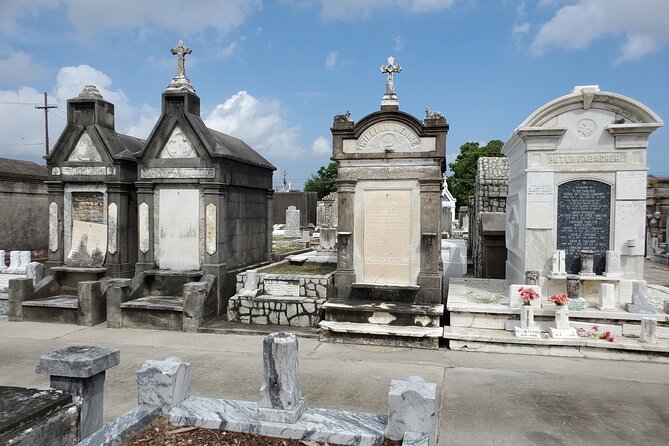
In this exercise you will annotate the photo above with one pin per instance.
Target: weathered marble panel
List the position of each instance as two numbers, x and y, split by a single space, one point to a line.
179 229
112 228
53 227
85 150
144 228
178 146
210 228
178 172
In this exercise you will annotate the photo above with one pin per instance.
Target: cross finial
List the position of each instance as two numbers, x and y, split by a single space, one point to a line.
390 98
180 81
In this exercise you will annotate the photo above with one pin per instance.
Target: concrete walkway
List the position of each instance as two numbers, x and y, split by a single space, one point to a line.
485 399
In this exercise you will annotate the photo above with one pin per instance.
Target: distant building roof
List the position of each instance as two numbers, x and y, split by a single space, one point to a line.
20 169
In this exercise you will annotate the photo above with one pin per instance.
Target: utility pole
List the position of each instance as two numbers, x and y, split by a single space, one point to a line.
46 108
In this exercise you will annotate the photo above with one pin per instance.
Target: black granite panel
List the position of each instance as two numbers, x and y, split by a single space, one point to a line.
584 222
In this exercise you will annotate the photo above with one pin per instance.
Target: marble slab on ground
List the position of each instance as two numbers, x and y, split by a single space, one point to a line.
61 301
480 291
124 427
325 425
167 303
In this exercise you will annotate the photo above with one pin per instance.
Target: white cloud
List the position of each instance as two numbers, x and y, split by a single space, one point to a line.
135 120
175 15
260 123
14 11
331 59
576 26
321 145
398 43
21 125
355 9
19 67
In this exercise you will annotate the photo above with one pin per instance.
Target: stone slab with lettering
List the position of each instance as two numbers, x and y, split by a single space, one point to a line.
583 222
275 287
534 333
568 333
179 229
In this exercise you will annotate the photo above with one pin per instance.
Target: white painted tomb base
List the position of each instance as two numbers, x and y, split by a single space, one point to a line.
482 320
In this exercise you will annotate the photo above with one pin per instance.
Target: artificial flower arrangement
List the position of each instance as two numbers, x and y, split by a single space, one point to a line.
594 332
527 295
559 299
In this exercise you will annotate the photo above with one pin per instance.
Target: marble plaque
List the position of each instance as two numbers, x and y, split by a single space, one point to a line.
540 187
178 172
53 227
178 146
179 229
282 287
84 171
112 222
89 244
631 185
210 228
584 222
630 224
143 227
85 150
387 236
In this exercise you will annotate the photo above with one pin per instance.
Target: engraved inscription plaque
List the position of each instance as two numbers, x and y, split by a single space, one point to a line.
179 229
387 237
282 287
584 222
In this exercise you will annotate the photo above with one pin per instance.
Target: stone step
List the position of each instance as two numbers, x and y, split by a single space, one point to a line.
60 301
501 341
383 313
378 334
160 303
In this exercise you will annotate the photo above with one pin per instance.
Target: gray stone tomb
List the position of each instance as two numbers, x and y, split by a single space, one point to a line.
389 220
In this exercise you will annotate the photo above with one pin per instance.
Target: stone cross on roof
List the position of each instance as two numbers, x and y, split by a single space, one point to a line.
180 81
390 98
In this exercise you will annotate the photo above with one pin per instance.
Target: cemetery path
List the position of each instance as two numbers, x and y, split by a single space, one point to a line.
486 398
655 273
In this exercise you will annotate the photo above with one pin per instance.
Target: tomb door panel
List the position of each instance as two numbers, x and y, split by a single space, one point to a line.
179 229
584 222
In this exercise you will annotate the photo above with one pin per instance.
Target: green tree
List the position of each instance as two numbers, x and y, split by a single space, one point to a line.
324 181
461 181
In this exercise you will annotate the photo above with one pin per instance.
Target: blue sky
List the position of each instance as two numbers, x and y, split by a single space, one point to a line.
275 73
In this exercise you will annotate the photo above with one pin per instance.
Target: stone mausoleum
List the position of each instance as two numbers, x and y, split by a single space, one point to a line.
204 214
577 181
388 283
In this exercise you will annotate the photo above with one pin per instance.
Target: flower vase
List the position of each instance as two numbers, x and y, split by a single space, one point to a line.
526 316
562 317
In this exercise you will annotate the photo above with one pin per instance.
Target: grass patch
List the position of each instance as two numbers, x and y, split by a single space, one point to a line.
308 268
285 249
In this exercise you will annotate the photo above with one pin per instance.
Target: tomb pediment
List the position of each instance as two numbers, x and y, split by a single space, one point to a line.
178 146
85 150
